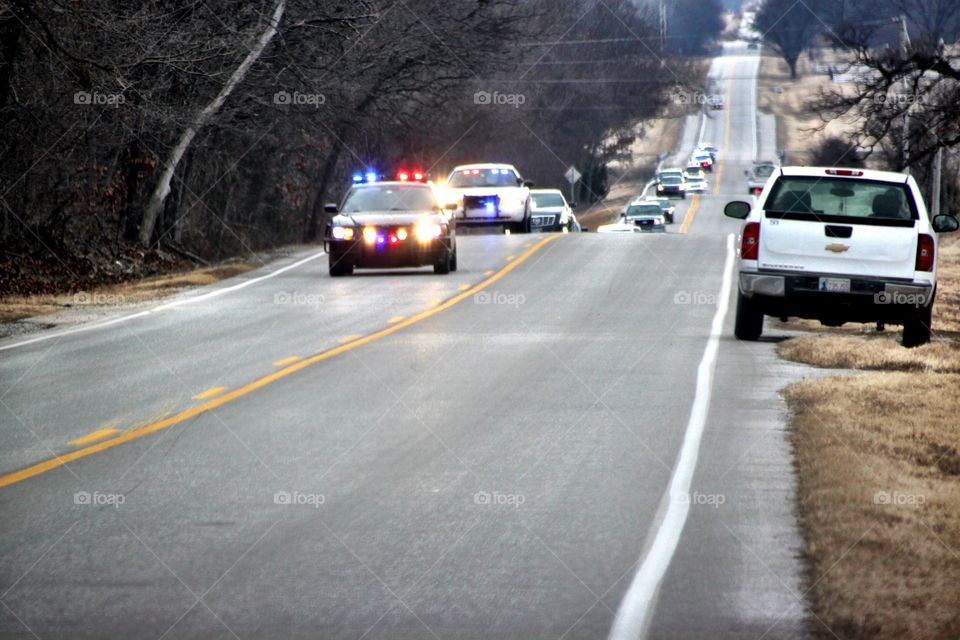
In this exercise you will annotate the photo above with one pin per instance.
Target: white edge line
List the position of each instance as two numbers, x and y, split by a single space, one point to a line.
636 609
169 305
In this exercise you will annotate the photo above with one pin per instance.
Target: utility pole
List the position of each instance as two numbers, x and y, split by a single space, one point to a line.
936 187
663 26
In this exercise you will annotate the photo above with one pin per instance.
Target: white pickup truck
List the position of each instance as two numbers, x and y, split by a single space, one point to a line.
838 245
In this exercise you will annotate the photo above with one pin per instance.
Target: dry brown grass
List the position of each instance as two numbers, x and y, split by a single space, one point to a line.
882 570
879 483
19 307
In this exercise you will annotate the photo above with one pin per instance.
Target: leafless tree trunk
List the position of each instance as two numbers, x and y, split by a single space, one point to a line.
162 190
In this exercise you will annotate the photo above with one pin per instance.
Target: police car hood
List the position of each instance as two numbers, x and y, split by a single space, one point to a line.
486 191
388 218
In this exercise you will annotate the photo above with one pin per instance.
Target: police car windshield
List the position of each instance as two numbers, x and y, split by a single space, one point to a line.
465 178
643 210
390 198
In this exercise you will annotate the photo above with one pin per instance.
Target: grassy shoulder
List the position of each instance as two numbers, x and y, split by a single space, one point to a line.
878 463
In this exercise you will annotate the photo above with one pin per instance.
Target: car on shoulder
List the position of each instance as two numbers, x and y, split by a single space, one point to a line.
648 216
490 194
385 225
838 246
671 185
757 176
666 206
549 211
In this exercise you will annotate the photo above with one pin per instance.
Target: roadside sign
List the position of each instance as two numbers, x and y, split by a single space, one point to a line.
572 175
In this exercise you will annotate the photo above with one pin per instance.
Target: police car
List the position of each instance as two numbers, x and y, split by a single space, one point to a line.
490 194
390 224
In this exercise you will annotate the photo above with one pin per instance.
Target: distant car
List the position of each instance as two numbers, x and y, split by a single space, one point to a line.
666 206
716 103
697 185
549 211
646 215
672 185
383 225
694 171
702 158
838 245
677 171
753 46
619 227
490 194
757 176
712 150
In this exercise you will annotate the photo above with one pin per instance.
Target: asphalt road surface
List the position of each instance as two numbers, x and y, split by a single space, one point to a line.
560 440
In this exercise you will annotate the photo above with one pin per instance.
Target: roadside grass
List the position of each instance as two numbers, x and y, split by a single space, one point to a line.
878 465
14 308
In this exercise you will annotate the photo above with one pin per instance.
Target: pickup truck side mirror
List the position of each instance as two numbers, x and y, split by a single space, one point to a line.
945 223
528 184
573 205
331 207
737 209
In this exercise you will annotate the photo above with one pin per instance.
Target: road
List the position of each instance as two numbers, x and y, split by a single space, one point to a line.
561 440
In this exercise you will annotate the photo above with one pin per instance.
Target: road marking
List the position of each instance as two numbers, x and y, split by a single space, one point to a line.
395 319
163 307
250 387
463 287
434 303
93 436
636 609
726 136
488 273
349 338
509 258
285 361
209 393
691 214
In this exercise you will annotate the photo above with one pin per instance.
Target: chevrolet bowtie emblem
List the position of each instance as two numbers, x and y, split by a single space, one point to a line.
837 247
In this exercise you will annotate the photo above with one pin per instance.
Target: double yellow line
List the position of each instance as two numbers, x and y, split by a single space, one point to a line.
259 383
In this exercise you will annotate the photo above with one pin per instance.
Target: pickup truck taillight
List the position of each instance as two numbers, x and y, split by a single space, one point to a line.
925 252
750 242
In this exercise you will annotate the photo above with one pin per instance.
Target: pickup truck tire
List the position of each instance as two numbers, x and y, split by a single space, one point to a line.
916 330
749 320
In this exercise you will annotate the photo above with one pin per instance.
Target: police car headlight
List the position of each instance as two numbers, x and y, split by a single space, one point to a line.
426 231
342 233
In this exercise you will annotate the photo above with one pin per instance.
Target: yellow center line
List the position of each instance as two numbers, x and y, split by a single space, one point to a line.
691 214
509 258
463 287
209 393
250 387
99 434
395 319
349 338
285 361
726 138
488 273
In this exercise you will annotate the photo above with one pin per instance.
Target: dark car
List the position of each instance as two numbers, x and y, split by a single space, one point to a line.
386 225
671 185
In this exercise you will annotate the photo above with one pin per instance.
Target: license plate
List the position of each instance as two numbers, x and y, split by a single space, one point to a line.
835 285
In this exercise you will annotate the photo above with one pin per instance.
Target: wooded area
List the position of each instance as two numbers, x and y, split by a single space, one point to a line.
215 128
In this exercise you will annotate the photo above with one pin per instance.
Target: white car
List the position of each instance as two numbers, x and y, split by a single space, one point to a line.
490 194
697 185
549 211
838 245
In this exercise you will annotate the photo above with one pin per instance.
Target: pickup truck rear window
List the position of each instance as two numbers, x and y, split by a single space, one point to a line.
841 200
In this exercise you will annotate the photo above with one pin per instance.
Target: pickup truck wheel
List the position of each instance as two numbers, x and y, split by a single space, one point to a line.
453 260
443 265
749 321
917 329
